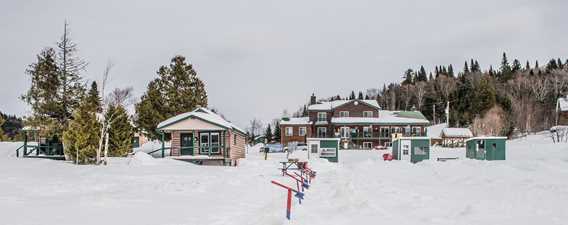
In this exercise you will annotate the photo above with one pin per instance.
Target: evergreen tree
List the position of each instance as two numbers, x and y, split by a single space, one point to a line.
536 65
527 66
408 77
422 76
352 96
93 98
43 94
277 132
176 90
516 66
69 66
81 139
121 131
268 134
451 71
360 96
506 71
465 68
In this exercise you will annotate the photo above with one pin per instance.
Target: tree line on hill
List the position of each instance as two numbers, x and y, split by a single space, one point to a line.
496 101
94 124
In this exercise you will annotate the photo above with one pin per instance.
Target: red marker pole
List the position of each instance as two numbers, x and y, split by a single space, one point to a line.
289 204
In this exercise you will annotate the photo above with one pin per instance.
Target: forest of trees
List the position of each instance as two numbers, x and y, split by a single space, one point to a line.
495 101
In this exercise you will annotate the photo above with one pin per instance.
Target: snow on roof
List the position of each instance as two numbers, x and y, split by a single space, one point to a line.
333 104
295 121
457 132
435 131
385 117
486 138
562 104
202 113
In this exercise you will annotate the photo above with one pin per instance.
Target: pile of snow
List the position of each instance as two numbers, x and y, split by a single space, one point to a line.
142 158
152 146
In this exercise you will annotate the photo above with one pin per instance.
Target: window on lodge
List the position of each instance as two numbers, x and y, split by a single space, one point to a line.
322 116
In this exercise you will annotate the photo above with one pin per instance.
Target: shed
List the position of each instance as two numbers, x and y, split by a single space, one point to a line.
327 148
455 137
413 149
486 148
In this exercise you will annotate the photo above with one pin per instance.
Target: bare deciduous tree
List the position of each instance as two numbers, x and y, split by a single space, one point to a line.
420 93
445 85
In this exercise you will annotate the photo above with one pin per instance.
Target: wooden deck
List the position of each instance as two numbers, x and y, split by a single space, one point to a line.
203 159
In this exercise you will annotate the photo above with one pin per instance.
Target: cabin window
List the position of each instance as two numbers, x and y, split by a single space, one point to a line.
289 131
344 114
368 114
322 116
302 131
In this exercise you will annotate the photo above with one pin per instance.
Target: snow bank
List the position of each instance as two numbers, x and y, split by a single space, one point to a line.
141 159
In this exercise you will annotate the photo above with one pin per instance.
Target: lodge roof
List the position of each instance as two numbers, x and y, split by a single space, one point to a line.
203 114
330 105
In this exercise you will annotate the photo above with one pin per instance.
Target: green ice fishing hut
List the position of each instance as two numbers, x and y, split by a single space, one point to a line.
486 148
413 149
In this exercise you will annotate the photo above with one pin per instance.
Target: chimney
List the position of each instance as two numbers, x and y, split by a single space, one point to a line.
313 99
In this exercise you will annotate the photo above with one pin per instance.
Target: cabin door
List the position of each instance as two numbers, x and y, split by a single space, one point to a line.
186 143
405 150
204 143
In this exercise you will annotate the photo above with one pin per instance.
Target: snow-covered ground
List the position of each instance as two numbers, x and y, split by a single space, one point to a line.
530 187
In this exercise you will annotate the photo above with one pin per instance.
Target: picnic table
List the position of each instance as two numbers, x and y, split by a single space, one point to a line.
291 163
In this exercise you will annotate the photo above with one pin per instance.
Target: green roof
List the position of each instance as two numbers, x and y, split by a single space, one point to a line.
411 114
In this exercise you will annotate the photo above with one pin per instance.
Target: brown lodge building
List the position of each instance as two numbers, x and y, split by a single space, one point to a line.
361 124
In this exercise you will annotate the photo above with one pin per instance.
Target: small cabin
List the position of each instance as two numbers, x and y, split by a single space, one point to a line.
486 148
203 137
327 148
455 137
412 149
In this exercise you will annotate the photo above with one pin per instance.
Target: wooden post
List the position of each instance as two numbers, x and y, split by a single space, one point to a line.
163 145
25 143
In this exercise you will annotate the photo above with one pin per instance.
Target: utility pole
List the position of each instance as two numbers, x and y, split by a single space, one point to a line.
448 114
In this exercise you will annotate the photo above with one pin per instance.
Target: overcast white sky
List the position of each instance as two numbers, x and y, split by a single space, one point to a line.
259 57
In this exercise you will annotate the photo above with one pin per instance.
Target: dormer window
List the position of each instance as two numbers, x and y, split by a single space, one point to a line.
322 116
368 114
344 114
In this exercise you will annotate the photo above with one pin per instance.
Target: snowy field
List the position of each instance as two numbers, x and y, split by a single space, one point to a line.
530 187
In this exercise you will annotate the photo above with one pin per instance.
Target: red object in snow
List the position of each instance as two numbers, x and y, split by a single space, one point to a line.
387 157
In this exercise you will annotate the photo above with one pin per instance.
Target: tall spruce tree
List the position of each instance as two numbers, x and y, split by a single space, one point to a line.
93 98
176 90
69 66
352 96
277 132
121 131
451 71
360 96
82 137
506 70
268 134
